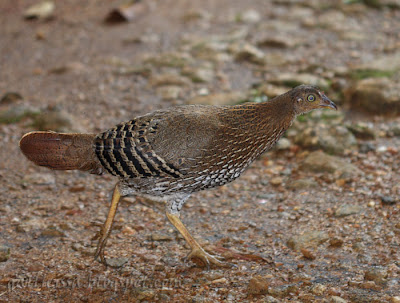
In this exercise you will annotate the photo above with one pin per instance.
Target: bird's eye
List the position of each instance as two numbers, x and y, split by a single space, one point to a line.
311 98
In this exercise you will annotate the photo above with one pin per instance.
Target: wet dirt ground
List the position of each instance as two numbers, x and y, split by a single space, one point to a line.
331 237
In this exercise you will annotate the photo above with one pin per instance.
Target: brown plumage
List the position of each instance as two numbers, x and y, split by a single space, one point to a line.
169 154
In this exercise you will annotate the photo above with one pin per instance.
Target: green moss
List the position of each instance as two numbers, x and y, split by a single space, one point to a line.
256 97
370 3
304 118
371 73
168 60
16 114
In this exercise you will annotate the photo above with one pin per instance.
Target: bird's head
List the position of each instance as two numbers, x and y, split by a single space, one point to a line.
308 97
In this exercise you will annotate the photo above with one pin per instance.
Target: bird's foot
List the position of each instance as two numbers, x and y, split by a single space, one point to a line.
206 259
99 254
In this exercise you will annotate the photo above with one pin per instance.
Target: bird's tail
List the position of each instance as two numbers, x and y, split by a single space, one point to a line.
61 151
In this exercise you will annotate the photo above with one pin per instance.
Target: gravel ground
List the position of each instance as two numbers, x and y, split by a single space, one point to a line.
314 220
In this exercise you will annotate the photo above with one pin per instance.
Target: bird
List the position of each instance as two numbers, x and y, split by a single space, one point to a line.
170 154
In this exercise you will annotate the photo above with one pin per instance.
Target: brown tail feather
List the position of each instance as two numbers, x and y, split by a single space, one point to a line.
61 151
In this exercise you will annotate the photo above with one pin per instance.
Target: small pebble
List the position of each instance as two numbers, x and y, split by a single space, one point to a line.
379 275
308 254
347 210
388 200
4 253
308 239
270 299
276 181
318 289
336 299
160 237
52 231
258 286
336 242
10 97
117 262
395 299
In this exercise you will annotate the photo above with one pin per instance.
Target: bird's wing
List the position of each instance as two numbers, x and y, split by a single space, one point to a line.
163 143
185 135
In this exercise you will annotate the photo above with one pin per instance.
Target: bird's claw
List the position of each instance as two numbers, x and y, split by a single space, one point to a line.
99 254
207 259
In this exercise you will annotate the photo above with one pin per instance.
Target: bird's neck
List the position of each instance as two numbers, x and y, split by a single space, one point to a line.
268 117
263 123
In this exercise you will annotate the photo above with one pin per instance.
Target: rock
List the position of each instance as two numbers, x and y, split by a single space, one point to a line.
199 74
116 262
307 239
283 291
302 184
283 144
42 10
4 253
258 286
366 147
308 254
388 62
219 98
75 67
10 97
378 275
77 188
16 113
126 12
395 130
168 80
142 293
336 299
323 130
249 53
270 299
364 131
250 16
160 237
334 20
347 210
395 299
375 96
213 49
388 200
40 179
175 60
333 139
170 92
195 15
35 267
336 242
292 80
52 231
278 41
318 289
276 181
271 91
56 120
320 162
140 70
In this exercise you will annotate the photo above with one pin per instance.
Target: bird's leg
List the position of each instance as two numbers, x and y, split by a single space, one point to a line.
106 228
197 251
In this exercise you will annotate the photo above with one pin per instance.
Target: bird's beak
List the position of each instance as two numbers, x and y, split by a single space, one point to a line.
327 103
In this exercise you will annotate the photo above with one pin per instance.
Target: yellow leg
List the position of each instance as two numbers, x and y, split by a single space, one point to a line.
197 251
106 228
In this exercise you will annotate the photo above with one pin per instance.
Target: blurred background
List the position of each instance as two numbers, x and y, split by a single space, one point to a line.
315 219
